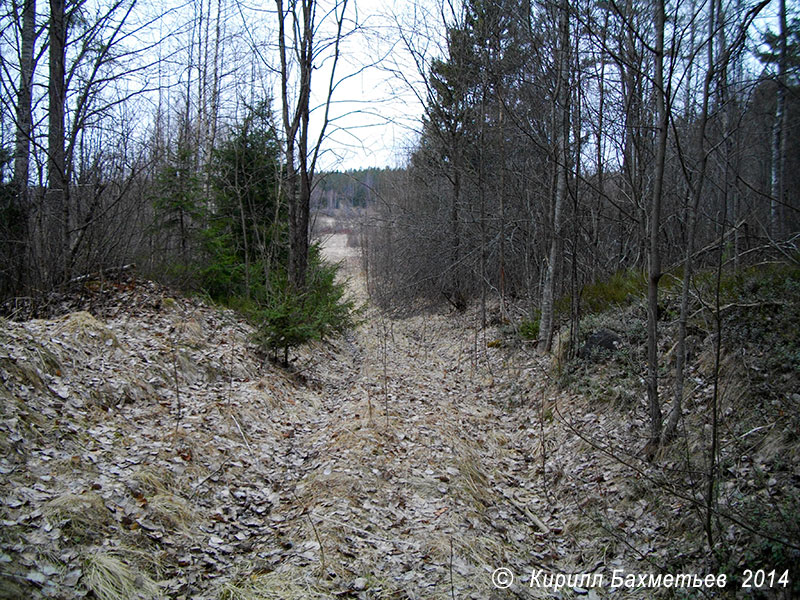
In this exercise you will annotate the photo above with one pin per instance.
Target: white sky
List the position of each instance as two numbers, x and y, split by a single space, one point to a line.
375 115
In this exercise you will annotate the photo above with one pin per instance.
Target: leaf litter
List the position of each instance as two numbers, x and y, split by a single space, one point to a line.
147 450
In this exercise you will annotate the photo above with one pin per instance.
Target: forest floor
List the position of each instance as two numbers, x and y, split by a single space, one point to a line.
147 450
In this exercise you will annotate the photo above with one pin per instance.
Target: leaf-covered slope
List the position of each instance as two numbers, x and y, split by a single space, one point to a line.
147 451
136 436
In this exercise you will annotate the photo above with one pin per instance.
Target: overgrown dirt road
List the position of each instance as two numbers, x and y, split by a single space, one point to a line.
415 490
148 451
424 481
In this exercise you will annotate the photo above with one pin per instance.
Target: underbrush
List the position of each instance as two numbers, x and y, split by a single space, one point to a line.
618 292
284 318
621 289
752 518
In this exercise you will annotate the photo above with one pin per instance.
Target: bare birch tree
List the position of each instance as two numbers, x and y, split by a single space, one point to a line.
561 124
299 39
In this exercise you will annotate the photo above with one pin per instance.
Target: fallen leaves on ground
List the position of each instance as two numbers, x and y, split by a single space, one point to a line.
148 450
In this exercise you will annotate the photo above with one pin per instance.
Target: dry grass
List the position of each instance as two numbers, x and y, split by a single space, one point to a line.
292 584
165 500
83 327
337 484
171 511
472 483
27 366
79 515
109 577
154 480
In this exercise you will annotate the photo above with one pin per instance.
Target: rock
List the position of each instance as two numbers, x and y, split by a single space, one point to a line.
599 343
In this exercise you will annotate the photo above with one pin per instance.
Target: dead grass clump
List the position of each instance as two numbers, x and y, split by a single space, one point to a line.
472 483
436 546
83 327
110 578
21 370
278 585
171 511
28 361
336 484
481 550
194 332
154 480
79 515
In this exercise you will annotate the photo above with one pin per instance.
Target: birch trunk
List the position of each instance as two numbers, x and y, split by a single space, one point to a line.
547 323
654 250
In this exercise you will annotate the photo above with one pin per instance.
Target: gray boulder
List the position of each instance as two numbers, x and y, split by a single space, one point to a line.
599 344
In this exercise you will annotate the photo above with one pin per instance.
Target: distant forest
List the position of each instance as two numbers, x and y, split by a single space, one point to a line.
354 189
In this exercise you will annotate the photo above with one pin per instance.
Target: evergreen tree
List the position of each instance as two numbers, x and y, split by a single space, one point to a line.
248 224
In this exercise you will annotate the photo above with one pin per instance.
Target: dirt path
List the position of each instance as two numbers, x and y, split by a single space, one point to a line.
415 489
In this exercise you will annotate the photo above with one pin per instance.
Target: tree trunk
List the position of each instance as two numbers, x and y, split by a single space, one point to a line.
696 191
575 290
455 236
502 196
58 186
298 251
654 252
24 102
19 234
299 173
778 135
632 163
547 323
482 196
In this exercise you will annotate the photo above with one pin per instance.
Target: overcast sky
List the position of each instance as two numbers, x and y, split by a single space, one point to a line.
376 114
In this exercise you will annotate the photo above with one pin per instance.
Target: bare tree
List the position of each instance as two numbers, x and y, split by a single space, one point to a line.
779 132
24 99
716 68
654 227
15 229
561 124
298 37
57 176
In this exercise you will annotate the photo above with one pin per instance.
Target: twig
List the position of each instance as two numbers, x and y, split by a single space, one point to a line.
385 373
177 387
230 370
744 435
246 443
528 513
316 533
452 587
199 485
